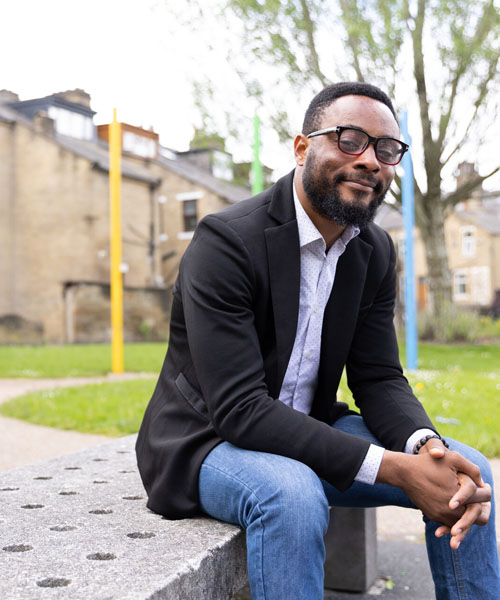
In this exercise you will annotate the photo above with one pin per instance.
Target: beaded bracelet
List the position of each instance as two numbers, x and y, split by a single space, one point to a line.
421 443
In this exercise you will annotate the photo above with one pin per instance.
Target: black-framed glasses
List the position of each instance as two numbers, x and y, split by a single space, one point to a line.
354 141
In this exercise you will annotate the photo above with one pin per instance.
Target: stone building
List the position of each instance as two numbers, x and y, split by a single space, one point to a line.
472 235
54 230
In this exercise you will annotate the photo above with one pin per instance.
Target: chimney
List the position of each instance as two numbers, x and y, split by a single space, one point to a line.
6 97
466 172
76 96
44 124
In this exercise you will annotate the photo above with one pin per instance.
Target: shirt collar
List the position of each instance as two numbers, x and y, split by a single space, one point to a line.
308 231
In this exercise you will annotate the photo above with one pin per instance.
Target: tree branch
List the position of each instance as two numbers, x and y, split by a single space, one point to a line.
465 190
482 93
431 151
348 7
313 58
465 59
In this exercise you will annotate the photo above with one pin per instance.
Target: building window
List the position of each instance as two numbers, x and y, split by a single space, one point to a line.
190 214
480 286
468 241
139 145
460 284
72 124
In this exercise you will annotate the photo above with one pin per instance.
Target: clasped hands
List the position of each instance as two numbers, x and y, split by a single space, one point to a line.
443 484
471 502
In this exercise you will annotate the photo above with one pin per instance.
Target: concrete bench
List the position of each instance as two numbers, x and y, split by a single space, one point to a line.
76 527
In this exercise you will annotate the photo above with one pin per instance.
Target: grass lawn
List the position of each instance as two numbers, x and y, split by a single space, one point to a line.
113 409
458 385
79 360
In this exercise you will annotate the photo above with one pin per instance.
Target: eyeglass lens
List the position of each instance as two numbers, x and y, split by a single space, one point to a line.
354 141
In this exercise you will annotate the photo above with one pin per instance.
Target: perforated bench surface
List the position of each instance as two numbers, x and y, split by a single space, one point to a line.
77 527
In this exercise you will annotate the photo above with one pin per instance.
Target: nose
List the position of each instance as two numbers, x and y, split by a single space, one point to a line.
368 160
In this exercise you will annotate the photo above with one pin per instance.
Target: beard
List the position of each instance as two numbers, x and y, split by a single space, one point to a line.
326 198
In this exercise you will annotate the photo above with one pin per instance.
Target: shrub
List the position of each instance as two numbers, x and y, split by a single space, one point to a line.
459 325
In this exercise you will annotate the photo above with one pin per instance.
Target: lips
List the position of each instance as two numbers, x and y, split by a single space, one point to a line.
360 185
363 184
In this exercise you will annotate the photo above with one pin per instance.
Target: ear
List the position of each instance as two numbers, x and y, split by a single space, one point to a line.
300 148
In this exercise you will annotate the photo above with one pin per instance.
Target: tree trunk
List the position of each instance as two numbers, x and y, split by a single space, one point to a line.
439 277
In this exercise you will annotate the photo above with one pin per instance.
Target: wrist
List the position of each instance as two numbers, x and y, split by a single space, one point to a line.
393 468
422 441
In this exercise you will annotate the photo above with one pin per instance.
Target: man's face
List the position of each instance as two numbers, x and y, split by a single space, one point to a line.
344 188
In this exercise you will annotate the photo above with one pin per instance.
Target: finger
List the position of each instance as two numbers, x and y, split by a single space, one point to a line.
468 493
484 517
435 448
465 466
467 489
442 530
480 495
470 516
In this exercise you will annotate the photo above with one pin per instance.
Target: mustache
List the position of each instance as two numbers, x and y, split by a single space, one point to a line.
366 179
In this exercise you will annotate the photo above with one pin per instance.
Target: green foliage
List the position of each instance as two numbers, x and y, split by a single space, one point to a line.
113 409
456 325
77 360
204 139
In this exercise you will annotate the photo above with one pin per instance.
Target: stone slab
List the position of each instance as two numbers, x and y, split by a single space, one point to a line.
351 549
404 574
76 527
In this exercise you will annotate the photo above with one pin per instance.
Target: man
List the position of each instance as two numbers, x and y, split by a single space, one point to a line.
274 296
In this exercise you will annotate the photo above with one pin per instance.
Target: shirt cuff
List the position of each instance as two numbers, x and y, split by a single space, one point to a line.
371 464
416 437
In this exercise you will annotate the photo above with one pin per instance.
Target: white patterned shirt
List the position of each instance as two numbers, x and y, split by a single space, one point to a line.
317 274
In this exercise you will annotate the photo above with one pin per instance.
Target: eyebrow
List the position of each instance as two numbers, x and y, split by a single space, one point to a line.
364 131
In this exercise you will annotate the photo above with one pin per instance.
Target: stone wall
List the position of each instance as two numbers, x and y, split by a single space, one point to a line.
146 313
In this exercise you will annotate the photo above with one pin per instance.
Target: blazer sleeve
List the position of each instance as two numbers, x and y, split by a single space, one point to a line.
374 372
218 284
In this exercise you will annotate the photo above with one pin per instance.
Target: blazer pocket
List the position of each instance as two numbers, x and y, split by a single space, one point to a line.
191 395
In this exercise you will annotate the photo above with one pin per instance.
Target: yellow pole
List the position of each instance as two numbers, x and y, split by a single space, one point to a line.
115 247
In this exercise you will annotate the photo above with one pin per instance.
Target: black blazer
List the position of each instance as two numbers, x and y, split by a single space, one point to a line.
233 325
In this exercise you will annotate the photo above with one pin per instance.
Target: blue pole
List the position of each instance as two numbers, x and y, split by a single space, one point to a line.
409 270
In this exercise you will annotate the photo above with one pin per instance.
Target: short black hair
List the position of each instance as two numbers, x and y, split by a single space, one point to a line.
337 90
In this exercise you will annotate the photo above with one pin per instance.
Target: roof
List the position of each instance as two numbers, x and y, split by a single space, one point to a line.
9 115
31 107
486 217
97 153
184 168
389 217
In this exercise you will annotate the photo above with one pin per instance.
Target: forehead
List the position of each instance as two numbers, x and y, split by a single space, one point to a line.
369 114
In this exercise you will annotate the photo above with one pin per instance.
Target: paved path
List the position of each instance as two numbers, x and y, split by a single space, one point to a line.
23 443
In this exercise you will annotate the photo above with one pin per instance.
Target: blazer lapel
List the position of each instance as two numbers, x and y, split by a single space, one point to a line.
284 273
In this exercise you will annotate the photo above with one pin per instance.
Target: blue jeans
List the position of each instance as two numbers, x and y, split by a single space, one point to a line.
283 505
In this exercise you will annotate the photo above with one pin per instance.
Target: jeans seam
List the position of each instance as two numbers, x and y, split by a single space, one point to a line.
462 594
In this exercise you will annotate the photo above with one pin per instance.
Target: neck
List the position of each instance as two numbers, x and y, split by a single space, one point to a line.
329 230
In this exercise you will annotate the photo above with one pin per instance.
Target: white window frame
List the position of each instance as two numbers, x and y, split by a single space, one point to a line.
460 277
468 237
194 195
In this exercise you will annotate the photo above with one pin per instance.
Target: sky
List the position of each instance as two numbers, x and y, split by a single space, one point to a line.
130 54
117 51
126 54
